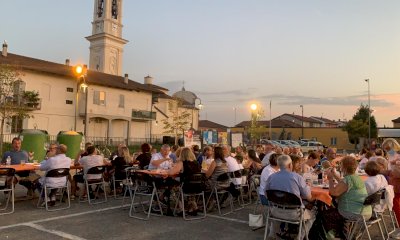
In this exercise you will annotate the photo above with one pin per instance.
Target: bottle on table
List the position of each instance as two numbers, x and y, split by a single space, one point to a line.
8 160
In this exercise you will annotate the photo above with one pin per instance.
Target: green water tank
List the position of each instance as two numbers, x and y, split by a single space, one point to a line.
35 141
72 140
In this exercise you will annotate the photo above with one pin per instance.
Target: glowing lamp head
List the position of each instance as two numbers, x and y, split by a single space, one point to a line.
253 106
79 70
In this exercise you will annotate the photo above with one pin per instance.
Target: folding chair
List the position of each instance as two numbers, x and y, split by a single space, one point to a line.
120 181
97 182
144 186
128 183
285 200
7 176
238 186
55 173
371 200
387 203
219 189
192 186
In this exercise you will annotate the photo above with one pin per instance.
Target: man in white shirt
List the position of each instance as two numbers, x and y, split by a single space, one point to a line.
232 164
60 160
161 160
267 171
91 160
269 150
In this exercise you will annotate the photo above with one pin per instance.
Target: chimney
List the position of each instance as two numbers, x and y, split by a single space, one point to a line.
67 61
4 52
148 80
126 79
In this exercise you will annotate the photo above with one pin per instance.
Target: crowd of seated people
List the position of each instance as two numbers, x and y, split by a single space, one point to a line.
278 169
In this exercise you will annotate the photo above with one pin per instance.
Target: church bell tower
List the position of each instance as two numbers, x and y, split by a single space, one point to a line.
106 42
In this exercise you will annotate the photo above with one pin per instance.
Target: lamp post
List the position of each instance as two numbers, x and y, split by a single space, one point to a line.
81 72
234 109
369 116
253 108
154 99
270 120
200 106
302 121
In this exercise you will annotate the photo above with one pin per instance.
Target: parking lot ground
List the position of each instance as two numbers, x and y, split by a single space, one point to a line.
111 221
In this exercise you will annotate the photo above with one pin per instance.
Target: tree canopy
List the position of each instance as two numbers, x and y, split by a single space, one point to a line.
357 127
15 102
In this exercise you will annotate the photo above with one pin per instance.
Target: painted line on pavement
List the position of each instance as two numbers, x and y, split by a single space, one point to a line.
64 216
54 232
228 219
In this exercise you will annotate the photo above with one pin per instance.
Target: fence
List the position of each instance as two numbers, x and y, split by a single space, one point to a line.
115 141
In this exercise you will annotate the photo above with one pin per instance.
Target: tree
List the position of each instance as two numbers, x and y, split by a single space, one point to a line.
255 130
14 100
178 122
357 127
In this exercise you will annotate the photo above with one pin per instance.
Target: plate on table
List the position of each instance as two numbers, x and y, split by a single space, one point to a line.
29 163
324 186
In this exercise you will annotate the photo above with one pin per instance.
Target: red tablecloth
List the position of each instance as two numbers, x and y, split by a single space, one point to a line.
31 167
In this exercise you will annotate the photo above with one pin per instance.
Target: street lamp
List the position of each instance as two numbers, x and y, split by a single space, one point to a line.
302 121
200 106
80 72
369 116
234 109
254 116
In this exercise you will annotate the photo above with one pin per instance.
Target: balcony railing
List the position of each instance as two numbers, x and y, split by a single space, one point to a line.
143 115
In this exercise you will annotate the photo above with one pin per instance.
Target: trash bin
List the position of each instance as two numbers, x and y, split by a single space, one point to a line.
72 140
35 141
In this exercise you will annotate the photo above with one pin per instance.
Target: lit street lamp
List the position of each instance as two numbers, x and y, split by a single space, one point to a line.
81 72
302 121
369 116
200 106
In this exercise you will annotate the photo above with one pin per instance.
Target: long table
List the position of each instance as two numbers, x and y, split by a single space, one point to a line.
31 167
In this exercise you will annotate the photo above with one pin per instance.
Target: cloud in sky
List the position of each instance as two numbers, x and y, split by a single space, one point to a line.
245 95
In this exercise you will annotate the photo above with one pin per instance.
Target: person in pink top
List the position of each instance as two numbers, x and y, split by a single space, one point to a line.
394 179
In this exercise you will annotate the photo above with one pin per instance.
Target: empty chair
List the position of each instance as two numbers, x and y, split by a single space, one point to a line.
7 188
94 177
144 187
238 186
192 186
280 200
48 187
128 183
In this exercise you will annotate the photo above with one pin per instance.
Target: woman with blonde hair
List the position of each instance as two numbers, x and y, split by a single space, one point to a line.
120 163
186 165
392 148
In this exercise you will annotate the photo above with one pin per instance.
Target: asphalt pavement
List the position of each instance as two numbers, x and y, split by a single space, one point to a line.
111 221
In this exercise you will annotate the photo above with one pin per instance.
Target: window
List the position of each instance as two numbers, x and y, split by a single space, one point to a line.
99 98
70 89
18 88
333 141
121 103
16 124
69 102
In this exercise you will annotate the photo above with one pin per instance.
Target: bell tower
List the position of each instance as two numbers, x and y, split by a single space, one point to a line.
106 42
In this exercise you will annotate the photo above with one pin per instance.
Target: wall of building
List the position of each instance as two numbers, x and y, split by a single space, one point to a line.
55 114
